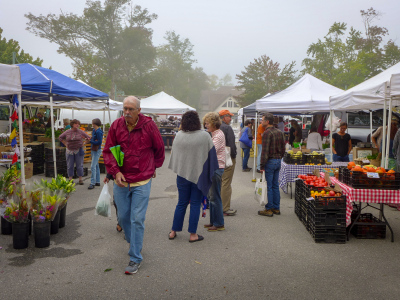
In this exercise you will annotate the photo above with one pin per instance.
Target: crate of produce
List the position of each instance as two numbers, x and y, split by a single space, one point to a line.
329 235
294 159
370 227
341 174
316 159
389 180
330 202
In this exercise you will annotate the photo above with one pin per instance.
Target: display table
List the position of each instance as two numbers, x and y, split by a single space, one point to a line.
288 173
367 196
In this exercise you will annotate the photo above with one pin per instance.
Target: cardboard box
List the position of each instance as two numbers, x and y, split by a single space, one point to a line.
5 148
28 170
363 152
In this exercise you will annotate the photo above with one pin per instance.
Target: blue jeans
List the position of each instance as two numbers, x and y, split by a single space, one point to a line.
341 158
246 152
272 168
132 206
95 167
259 149
216 211
74 159
188 193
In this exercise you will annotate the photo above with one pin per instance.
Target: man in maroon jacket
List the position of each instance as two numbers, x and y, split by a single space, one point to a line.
143 149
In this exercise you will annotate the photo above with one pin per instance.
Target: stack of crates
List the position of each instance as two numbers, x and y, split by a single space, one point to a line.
327 219
323 217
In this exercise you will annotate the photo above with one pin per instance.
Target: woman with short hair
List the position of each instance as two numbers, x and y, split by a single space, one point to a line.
194 160
212 122
96 141
74 139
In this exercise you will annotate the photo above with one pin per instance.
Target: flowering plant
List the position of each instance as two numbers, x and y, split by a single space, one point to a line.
44 206
59 185
16 207
9 181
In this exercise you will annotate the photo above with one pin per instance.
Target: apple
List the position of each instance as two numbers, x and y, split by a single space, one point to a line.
331 193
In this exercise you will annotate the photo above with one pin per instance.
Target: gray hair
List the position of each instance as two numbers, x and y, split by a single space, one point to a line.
134 100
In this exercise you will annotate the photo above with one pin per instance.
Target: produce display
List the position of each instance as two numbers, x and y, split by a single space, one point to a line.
299 158
369 177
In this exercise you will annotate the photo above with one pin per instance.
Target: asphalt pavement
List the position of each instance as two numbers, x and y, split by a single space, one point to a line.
256 257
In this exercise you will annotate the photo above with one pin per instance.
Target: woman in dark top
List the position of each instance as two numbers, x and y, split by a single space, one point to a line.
341 144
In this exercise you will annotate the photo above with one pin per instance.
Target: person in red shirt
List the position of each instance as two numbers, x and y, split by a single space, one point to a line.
260 131
143 148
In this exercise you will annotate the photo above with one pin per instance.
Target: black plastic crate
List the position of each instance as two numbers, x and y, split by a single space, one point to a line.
315 159
329 235
288 159
50 173
341 174
360 180
324 218
59 151
372 229
330 202
102 168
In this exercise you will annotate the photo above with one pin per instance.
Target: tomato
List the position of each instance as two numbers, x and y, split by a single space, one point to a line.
331 193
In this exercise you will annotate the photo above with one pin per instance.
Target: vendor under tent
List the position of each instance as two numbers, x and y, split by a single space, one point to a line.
164 104
10 85
43 85
372 94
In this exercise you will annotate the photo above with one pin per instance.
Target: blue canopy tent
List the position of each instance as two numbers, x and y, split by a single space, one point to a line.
44 85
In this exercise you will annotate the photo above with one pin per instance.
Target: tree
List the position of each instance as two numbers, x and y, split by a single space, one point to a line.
263 76
108 46
8 47
345 61
174 72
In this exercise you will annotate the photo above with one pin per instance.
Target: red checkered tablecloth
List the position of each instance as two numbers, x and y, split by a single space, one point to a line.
364 195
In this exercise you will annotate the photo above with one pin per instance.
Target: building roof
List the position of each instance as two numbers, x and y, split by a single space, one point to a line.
210 99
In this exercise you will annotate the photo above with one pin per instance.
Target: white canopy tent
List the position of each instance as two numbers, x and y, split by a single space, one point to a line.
10 85
372 94
162 103
305 96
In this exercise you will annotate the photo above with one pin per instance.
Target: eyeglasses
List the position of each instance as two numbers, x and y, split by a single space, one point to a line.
129 108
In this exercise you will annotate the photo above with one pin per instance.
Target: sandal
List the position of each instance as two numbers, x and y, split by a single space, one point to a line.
200 238
171 238
119 228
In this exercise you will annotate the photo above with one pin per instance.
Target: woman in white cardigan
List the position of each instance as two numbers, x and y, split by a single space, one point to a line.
314 140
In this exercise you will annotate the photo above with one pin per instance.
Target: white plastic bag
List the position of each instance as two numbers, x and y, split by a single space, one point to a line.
260 192
335 123
228 159
103 206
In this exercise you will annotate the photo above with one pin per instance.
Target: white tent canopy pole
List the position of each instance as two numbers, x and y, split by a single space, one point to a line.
370 124
255 147
383 150
331 117
388 135
53 136
21 142
104 119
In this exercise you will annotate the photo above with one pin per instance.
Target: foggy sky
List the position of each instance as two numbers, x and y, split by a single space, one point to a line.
227 35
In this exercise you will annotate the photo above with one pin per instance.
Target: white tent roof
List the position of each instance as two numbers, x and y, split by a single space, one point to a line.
162 103
306 95
395 85
369 94
10 80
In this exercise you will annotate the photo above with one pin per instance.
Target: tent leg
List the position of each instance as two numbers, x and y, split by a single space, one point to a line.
53 136
370 125
383 150
255 148
331 133
21 142
104 119
388 134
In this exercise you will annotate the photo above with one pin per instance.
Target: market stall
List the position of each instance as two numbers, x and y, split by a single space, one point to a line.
42 85
164 104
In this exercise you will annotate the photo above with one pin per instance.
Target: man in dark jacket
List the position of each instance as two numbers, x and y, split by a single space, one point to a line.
143 148
226 188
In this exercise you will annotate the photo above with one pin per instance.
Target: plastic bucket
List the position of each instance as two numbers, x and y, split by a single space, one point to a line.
63 214
42 234
55 224
6 227
20 232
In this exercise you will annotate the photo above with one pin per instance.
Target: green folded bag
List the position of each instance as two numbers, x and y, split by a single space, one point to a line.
118 154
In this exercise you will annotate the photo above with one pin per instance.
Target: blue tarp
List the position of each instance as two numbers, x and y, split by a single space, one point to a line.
38 83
